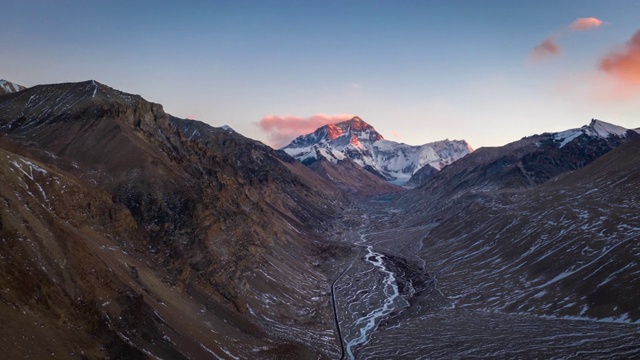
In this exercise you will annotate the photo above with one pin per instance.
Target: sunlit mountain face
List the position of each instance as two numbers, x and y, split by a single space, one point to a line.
358 141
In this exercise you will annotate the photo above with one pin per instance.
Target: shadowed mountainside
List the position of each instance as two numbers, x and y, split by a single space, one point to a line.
566 248
352 178
144 233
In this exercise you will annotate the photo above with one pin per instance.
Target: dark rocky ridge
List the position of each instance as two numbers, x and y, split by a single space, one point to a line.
524 163
352 178
565 248
421 176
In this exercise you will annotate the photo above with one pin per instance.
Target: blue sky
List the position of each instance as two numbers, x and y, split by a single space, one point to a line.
418 71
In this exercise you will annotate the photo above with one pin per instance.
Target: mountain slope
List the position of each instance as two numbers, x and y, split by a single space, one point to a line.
549 271
360 142
216 233
568 248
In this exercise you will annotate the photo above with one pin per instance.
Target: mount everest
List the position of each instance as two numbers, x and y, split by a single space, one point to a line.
360 142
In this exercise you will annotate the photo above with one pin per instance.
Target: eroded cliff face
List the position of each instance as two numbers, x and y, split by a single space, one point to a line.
164 236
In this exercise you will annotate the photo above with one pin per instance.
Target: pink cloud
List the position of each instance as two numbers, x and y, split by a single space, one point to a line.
549 46
587 23
624 64
546 48
283 129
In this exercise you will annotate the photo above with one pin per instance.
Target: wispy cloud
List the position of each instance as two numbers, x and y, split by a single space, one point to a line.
548 47
624 64
587 23
282 129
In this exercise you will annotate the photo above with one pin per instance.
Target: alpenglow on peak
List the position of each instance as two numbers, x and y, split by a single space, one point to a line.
359 141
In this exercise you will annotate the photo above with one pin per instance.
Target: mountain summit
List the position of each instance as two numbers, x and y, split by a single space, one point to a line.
7 87
531 160
357 140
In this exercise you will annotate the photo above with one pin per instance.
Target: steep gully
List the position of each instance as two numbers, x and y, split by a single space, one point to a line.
387 305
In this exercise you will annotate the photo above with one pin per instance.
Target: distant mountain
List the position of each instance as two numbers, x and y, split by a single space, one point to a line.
7 87
530 161
360 142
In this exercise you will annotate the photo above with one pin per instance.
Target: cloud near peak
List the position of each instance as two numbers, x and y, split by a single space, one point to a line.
587 23
624 64
283 129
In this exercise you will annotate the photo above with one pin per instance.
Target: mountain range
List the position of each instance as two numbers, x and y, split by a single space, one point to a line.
358 141
530 161
128 233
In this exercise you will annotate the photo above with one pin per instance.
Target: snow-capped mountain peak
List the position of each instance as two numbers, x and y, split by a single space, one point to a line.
360 142
7 87
604 129
596 128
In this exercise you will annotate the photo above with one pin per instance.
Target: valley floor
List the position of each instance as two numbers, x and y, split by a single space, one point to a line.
390 304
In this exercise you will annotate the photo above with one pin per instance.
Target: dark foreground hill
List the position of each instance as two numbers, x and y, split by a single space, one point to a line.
128 233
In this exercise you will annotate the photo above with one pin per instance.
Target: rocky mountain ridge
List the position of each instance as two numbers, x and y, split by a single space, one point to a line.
178 219
530 161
